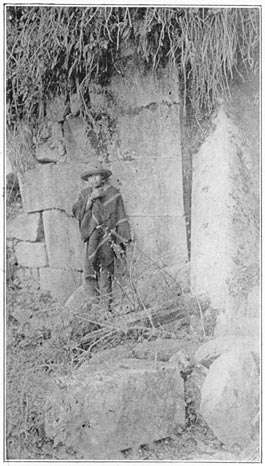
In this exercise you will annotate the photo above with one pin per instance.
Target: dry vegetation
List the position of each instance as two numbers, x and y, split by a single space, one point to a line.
58 50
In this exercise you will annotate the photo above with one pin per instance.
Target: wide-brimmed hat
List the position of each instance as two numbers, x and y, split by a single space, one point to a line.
95 168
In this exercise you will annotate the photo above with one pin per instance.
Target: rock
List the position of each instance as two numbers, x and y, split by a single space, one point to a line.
254 303
210 351
97 413
51 186
55 109
27 277
139 90
59 282
157 185
26 227
75 104
31 254
53 148
62 238
79 300
192 387
78 146
230 397
162 349
150 133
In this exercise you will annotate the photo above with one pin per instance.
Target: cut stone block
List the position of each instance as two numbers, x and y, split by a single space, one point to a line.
62 238
102 410
150 133
230 398
60 283
31 254
78 146
163 239
26 227
150 188
52 186
139 90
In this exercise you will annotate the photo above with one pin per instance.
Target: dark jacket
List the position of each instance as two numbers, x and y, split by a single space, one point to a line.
103 224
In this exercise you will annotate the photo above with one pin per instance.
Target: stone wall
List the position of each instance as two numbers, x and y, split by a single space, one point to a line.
225 221
143 151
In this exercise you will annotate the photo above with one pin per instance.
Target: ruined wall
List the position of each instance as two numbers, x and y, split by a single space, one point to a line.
139 130
225 215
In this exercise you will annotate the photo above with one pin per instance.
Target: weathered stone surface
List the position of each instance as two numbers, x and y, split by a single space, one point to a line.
150 132
60 283
104 410
213 349
63 242
31 254
150 189
139 90
254 303
240 326
56 109
160 238
78 145
224 232
50 152
26 227
162 349
27 277
230 398
79 300
51 186
51 148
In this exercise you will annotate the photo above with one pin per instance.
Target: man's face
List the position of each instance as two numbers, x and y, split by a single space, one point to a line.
95 181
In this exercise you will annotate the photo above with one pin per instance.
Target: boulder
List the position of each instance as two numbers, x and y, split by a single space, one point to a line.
59 282
211 350
98 412
162 349
26 227
62 238
230 398
31 255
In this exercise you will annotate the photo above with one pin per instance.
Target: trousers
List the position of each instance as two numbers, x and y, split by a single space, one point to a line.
99 285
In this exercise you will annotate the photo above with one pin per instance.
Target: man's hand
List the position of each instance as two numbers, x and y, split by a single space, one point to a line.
89 203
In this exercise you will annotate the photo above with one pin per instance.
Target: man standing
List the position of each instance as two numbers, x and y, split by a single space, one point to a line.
104 231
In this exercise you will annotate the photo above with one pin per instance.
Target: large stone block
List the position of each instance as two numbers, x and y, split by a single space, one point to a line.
230 398
150 132
51 186
26 227
150 188
78 145
62 238
60 283
213 349
102 410
31 255
161 239
140 90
